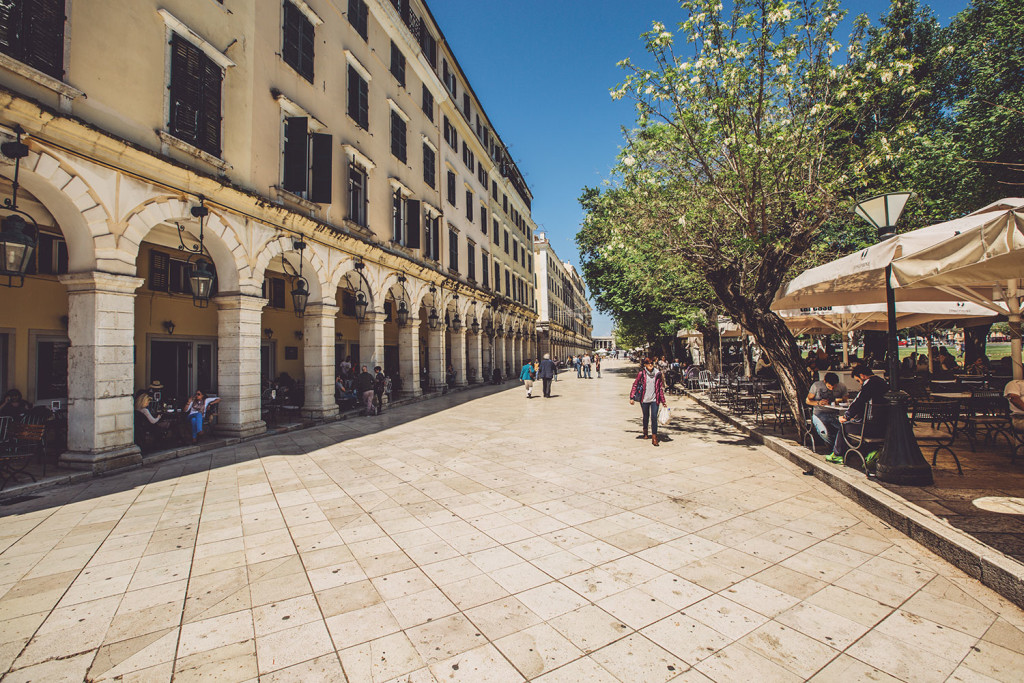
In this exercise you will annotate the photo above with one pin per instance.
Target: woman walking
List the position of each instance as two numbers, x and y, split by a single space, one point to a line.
649 389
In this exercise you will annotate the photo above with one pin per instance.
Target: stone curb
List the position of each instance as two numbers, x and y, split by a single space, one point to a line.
30 488
1002 574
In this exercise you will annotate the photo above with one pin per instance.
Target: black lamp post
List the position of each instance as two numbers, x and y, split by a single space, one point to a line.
900 460
300 295
17 245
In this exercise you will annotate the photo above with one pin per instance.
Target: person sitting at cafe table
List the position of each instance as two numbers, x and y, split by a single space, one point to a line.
1014 393
872 388
827 391
144 406
979 367
196 409
14 406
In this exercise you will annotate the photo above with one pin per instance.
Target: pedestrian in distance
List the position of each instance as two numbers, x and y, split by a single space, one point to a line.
528 374
364 387
577 362
380 382
547 373
597 365
649 390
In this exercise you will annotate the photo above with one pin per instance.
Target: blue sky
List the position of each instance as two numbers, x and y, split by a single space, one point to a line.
543 69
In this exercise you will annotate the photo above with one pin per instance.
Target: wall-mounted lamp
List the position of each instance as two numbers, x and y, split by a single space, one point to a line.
338 336
298 334
268 332
169 326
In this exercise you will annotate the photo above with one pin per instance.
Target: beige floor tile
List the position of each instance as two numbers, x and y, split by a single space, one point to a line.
583 670
995 661
445 638
686 638
822 625
927 635
635 658
590 628
326 668
284 648
519 577
70 670
900 659
235 662
502 617
353 596
209 634
725 616
635 608
473 592
853 606
450 571
284 615
482 663
402 583
362 625
136 654
737 664
789 648
763 599
561 564
844 668
950 614
537 649
551 600
419 608
382 659
1005 635
595 584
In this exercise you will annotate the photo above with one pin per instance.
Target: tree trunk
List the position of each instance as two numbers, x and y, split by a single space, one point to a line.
780 345
975 339
747 351
712 357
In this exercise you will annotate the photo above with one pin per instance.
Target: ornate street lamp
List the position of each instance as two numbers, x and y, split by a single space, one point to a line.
900 460
16 244
474 327
300 295
361 305
433 319
201 275
456 323
402 313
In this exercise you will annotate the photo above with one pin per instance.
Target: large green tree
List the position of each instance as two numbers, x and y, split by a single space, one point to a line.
741 150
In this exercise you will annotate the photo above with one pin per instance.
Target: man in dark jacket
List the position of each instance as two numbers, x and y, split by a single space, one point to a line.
364 387
872 388
546 373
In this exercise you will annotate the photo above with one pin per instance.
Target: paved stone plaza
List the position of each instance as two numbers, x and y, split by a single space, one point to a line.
486 539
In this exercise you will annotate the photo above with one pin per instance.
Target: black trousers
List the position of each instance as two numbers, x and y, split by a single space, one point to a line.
546 381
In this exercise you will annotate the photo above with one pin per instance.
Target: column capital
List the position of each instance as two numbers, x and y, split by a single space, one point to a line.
240 301
98 281
321 310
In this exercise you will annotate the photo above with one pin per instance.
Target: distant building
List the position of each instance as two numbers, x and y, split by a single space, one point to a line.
607 343
564 324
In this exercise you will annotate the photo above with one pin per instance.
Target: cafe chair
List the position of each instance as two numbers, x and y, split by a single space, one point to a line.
857 437
808 437
936 424
989 413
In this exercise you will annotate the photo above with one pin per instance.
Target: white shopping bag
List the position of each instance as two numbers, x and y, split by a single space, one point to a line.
664 416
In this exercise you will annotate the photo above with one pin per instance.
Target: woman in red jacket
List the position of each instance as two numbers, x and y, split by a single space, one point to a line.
649 389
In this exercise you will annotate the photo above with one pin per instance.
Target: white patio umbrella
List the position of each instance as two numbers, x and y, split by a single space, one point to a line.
859 278
983 264
847 319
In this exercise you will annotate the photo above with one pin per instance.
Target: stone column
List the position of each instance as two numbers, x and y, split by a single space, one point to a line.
101 371
476 357
498 344
459 357
371 340
508 356
409 357
239 332
435 355
318 356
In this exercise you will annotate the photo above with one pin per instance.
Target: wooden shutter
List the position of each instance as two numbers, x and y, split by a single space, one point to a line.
412 226
208 133
10 28
159 267
320 178
185 90
43 42
296 154
435 235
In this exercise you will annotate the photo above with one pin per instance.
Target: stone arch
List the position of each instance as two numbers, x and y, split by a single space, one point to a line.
344 274
422 295
313 269
219 236
82 218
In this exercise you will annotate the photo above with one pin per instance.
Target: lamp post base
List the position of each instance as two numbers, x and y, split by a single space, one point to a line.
900 461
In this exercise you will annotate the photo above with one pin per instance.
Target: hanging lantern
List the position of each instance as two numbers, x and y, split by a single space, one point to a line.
361 306
433 319
489 329
300 296
16 248
456 323
403 314
475 326
201 279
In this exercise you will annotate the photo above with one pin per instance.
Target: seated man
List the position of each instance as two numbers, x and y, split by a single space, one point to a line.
1014 393
872 388
826 392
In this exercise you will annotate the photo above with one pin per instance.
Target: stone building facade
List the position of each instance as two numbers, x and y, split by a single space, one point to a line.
564 324
336 139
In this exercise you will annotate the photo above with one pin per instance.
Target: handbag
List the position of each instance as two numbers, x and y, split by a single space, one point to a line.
664 416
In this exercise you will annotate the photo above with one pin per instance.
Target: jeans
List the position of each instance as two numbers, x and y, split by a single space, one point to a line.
827 426
579 371
586 371
650 411
195 421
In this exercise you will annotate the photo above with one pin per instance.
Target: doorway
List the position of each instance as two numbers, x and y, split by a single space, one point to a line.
183 366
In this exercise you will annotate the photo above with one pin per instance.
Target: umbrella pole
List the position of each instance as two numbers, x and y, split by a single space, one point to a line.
846 349
1013 302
